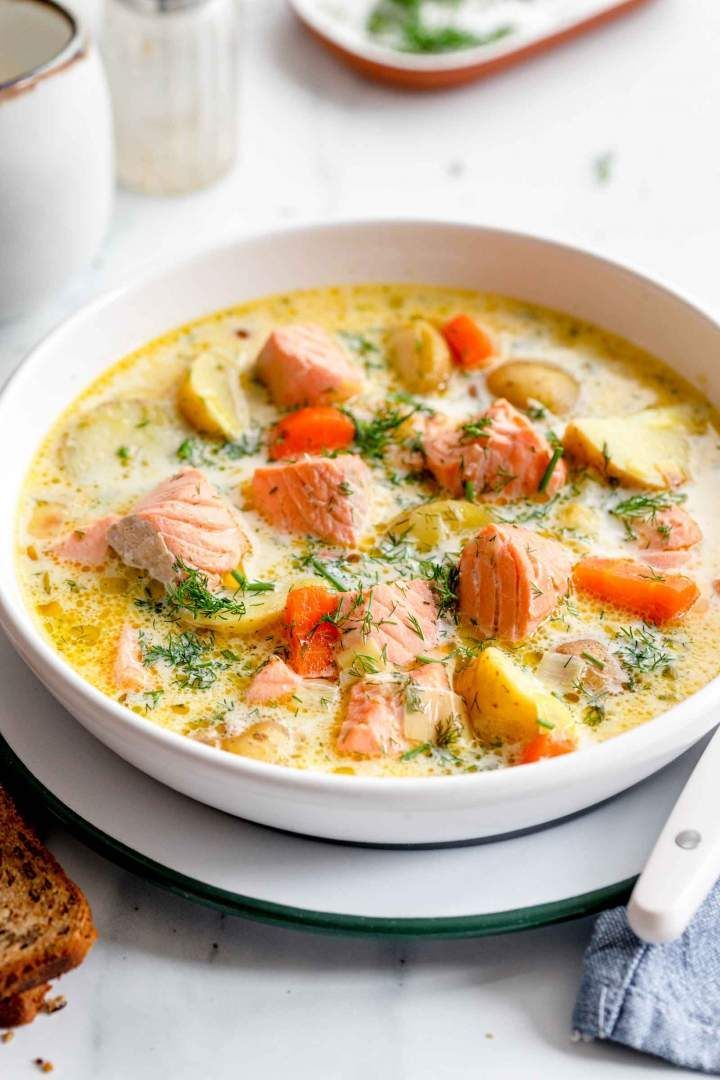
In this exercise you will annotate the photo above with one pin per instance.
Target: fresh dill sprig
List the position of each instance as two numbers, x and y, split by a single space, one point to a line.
444 578
191 593
643 650
372 437
189 654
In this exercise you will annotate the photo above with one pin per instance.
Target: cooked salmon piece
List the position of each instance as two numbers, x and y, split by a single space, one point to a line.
498 455
603 673
386 716
671 529
373 725
87 546
510 580
129 672
397 621
304 365
317 496
273 682
184 518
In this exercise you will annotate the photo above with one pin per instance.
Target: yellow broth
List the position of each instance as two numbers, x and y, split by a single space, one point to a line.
81 611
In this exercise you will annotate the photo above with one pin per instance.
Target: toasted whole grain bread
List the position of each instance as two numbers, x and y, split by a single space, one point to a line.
46 927
22 1008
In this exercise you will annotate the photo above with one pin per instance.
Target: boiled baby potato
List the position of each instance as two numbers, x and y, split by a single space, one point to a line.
262 610
434 523
420 356
107 440
525 381
505 703
264 741
211 398
646 449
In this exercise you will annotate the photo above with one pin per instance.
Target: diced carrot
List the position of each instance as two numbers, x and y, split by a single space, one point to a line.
626 583
310 431
470 345
543 746
311 638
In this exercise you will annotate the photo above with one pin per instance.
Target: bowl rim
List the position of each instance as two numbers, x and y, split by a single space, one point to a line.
650 740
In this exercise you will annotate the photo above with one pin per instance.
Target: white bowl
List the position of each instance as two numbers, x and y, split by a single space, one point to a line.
370 810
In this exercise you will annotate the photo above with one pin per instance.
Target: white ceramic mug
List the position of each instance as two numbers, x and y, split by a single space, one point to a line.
56 151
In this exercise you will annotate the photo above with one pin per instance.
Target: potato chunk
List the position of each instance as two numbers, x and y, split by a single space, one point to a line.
646 449
264 741
211 398
262 610
420 356
111 438
507 704
435 522
524 381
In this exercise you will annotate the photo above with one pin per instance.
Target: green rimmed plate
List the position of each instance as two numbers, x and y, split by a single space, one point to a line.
574 868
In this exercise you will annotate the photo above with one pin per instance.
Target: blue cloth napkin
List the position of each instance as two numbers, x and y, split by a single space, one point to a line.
660 999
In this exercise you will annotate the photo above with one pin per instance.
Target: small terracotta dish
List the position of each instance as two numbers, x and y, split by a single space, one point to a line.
423 71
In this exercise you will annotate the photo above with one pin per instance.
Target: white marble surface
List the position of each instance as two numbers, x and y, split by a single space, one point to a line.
177 990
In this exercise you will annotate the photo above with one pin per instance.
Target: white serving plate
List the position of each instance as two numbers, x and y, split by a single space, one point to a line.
558 873
370 810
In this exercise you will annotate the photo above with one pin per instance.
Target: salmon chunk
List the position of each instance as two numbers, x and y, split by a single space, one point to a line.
671 529
87 546
387 715
324 497
397 621
273 682
373 725
304 365
184 518
499 455
129 672
510 580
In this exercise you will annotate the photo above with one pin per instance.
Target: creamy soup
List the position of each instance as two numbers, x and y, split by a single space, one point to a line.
382 530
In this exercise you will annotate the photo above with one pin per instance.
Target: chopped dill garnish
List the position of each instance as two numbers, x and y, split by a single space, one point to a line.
124 453
415 626
246 446
364 664
193 451
643 649
476 429
189 654
551 466
373 436
192 594
645 507
443 577
470 491
447 732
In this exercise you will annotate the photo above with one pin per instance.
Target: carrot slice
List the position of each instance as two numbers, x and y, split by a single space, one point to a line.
543 746
657 598
311 430
470 345
311 639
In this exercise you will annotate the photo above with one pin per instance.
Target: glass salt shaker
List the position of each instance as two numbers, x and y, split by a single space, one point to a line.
172 68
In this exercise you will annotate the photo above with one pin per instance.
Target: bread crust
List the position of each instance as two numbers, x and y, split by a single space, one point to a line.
46 925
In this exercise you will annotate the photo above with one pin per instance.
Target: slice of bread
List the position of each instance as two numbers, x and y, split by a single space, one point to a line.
46 927
22 1008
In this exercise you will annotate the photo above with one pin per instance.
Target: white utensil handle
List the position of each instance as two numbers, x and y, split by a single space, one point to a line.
685 862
